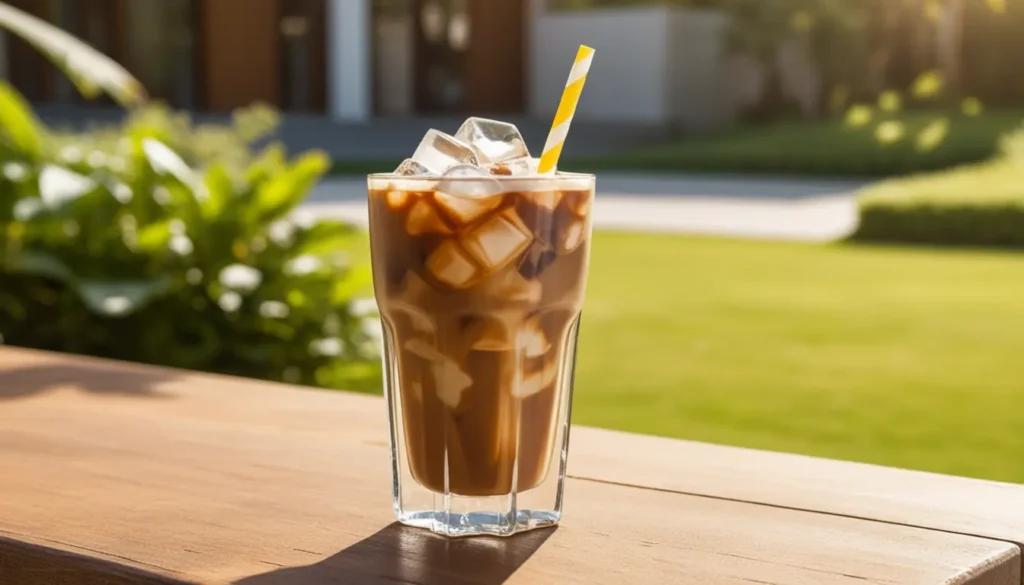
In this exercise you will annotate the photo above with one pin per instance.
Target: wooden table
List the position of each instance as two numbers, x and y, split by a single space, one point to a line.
114 473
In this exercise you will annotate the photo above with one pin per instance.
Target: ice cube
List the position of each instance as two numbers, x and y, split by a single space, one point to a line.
524 166
416 318
449 378
534 382
415 291
397 199
409 167
451 382
493 141
573 236
498 241
466 171
467 192
536 260
425 350
532 340
511 287
547 199
423 218
542 221
489 335
439 152
578 202
451 265
416 389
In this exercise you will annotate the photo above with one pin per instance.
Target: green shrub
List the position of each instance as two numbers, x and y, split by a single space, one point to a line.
828 147
199 145
977 205
113 246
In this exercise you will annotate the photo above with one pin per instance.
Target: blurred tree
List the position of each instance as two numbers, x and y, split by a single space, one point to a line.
862 48
949 44
835 32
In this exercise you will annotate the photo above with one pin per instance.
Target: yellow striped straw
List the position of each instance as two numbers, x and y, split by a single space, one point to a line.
566 109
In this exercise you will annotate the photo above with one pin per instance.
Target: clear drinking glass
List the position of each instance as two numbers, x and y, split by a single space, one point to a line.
480 284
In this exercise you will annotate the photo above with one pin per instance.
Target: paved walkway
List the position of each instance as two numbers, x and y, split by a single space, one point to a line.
770 208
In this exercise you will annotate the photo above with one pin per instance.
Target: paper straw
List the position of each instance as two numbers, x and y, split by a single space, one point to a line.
566 109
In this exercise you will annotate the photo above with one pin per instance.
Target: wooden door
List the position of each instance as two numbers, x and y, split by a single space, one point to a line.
439 55
494 67
241 50
303 55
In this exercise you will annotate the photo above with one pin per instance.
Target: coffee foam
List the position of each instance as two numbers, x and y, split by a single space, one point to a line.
561 181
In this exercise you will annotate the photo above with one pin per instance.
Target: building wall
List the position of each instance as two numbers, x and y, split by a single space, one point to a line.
656 64
494 78
349 59
627 81
159 48
393 65
241 48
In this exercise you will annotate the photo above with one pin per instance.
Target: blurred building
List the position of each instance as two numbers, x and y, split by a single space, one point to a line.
357 59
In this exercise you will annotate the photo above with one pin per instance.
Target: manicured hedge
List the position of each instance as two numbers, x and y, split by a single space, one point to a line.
979 205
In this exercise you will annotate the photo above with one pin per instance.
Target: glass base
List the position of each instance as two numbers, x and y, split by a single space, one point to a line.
454 524
446 481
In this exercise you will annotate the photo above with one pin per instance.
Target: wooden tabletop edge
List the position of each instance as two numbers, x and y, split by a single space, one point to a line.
1003 569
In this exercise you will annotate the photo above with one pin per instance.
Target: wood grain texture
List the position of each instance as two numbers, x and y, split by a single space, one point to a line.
954 504
113 473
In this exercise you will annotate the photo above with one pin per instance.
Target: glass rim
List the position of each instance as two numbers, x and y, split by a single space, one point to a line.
557 176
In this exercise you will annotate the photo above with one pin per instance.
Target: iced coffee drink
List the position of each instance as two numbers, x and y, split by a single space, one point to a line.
479 270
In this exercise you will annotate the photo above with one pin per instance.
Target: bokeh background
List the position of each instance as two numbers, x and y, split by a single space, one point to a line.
809 228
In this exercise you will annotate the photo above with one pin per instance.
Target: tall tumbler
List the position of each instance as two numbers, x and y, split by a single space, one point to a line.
480 283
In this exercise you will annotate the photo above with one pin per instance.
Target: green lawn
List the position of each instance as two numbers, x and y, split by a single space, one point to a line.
911 358
812 148
898 356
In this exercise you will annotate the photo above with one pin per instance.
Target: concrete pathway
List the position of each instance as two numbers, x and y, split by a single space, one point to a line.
770 208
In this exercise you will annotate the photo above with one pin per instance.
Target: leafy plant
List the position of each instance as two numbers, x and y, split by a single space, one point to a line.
199 145
135 255
92 72
1011 147
170 244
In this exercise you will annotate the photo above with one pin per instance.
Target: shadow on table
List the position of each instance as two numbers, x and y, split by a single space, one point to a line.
125 380
399 554
33 564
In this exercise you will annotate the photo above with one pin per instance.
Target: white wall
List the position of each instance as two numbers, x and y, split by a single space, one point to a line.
628 79
654 65
349 72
